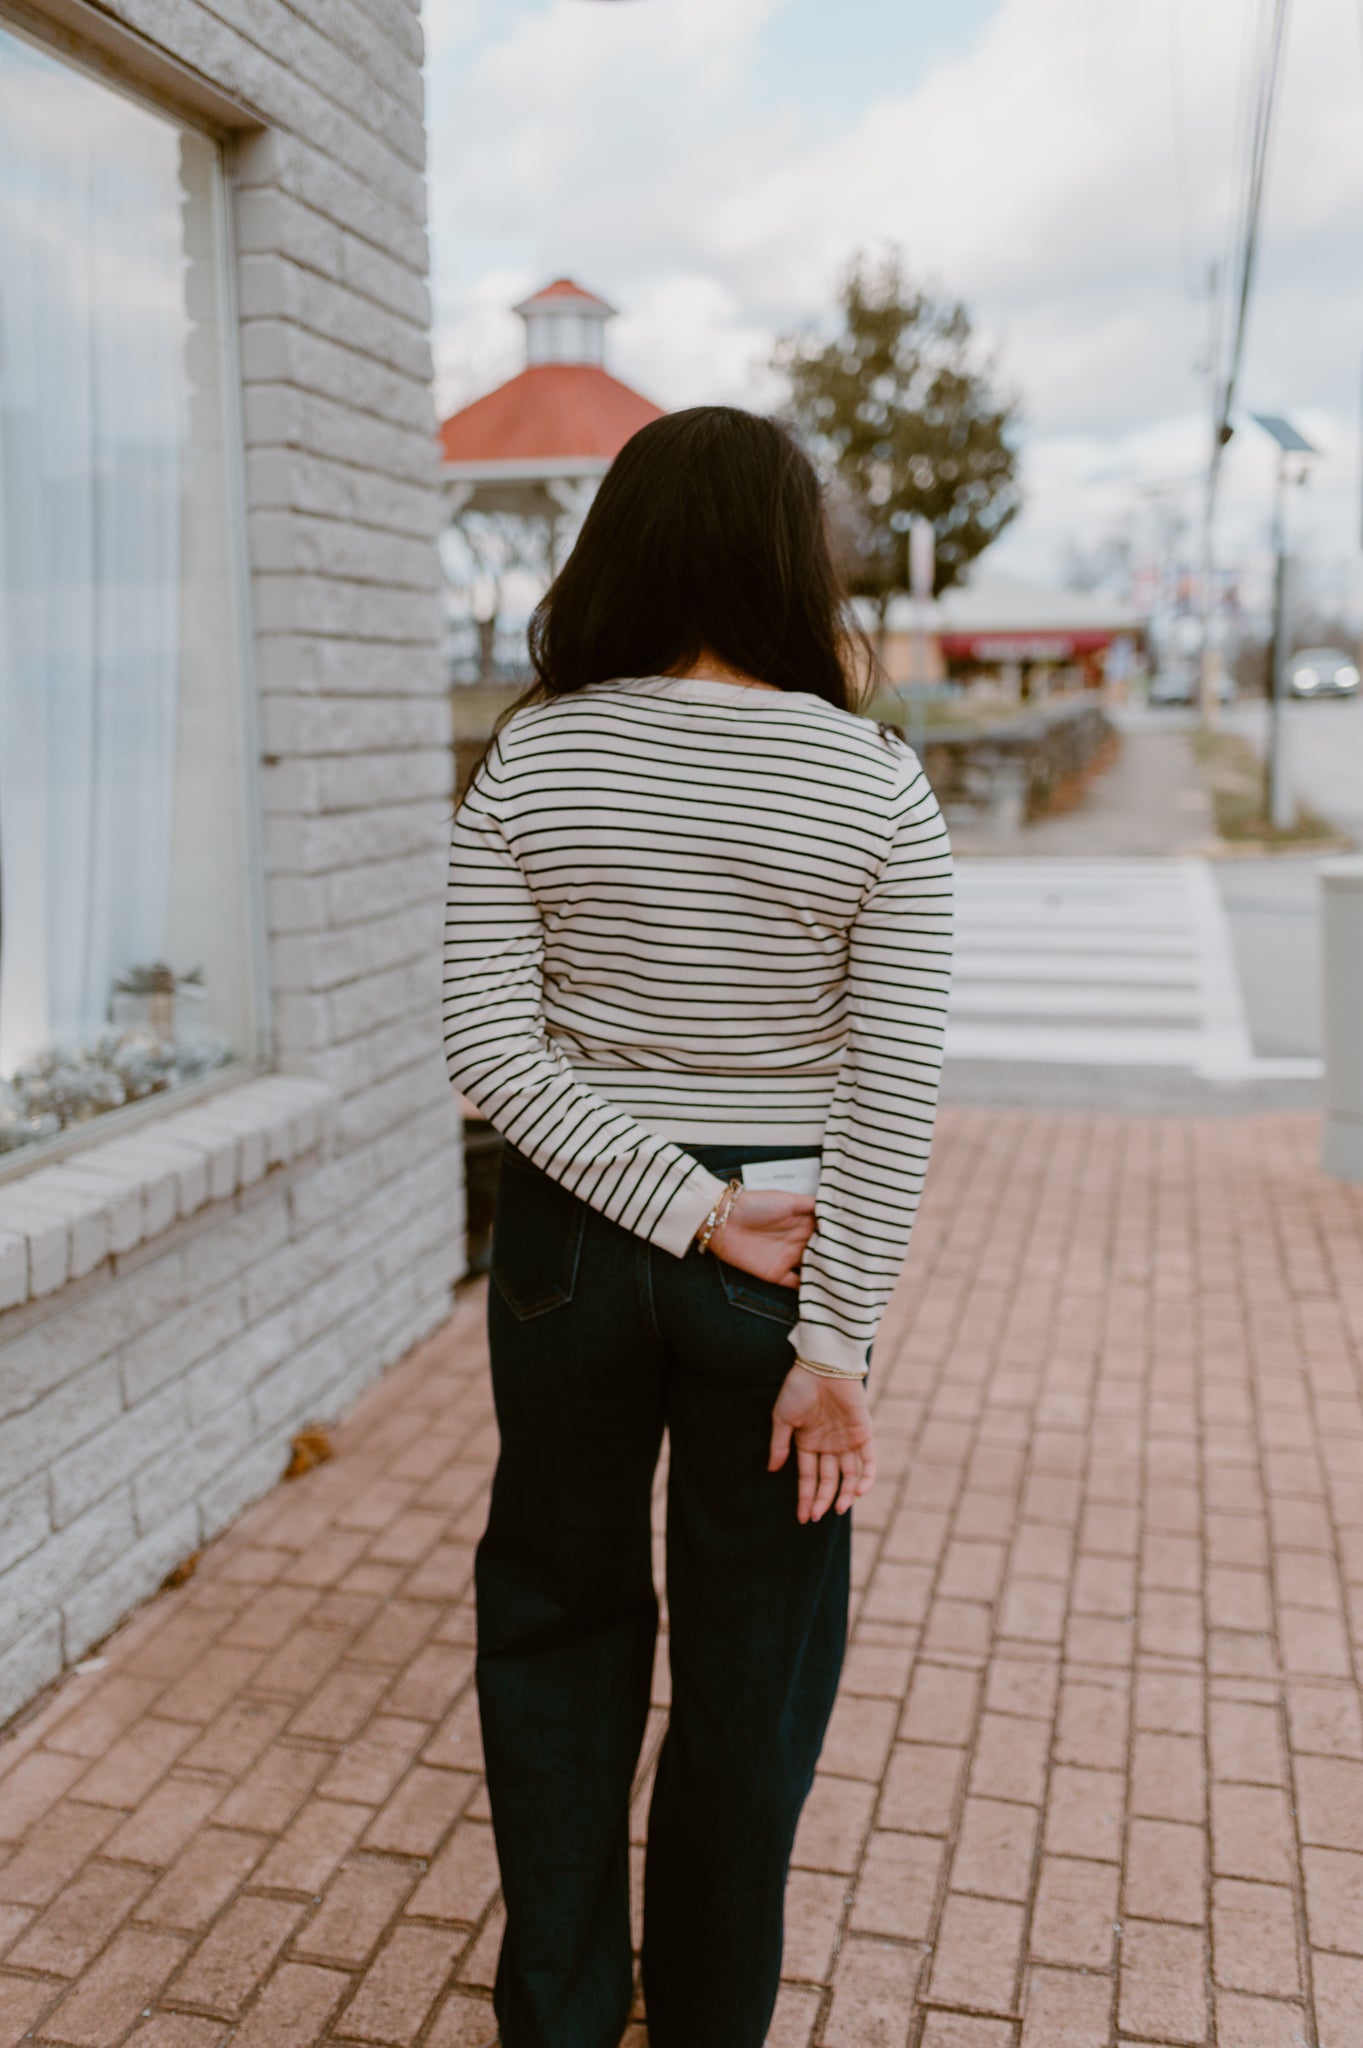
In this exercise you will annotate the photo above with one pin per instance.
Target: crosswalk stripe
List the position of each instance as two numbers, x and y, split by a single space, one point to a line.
1113 962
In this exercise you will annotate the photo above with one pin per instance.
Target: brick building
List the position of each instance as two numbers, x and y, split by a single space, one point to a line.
230 1185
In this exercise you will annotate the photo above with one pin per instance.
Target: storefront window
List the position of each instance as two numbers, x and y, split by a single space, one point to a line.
125 925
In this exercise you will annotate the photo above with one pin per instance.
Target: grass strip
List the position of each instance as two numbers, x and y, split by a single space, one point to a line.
1236 782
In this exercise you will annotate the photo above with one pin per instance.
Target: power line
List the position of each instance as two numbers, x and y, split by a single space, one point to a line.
1254 116
1244 71
1256 100
1260 137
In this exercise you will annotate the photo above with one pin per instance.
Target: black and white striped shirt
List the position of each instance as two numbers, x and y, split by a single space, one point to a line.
691 911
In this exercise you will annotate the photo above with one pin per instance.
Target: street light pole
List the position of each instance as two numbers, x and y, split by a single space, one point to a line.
1280 807
1209 663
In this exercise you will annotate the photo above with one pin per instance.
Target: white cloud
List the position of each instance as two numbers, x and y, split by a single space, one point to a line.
449 25
688 336
486 344
1035 175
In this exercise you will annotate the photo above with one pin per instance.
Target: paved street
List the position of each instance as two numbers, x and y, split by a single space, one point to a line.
1096 1771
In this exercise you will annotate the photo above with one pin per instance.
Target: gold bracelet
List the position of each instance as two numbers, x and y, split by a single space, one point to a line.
718 1216
831 1372
726 1205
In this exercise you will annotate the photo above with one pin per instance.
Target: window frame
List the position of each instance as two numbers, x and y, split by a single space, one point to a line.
125 63
119 57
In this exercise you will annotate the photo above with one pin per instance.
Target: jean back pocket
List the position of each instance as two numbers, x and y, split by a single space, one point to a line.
759 1297
536 1239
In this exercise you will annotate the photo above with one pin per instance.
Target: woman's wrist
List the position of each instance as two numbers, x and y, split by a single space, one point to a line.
832 1372
718 1215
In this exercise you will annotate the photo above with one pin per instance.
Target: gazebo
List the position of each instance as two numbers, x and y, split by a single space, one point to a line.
538 444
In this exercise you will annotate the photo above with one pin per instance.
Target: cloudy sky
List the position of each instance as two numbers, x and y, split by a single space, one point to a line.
1066 168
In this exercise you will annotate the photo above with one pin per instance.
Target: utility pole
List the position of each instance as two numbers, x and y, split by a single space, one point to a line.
1282 809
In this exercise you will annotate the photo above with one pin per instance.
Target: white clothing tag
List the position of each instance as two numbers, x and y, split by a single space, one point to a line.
796 1176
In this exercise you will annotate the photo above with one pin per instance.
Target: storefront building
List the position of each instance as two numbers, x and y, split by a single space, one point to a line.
230 1180
1019 639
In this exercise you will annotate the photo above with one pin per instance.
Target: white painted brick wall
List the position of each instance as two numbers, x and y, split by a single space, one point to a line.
175 1304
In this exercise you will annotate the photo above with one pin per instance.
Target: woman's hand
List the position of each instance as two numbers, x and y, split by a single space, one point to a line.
765 1233
835 1454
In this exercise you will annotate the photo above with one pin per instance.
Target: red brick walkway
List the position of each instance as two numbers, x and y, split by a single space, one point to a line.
1096 1773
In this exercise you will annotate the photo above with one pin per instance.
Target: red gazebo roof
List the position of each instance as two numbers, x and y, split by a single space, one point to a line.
550 412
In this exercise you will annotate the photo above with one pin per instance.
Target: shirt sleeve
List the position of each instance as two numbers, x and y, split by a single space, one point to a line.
880 1122
500 1056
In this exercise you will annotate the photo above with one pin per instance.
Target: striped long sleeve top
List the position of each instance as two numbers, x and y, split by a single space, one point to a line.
691 911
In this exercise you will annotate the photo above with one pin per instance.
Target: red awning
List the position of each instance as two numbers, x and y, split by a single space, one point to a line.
1028 646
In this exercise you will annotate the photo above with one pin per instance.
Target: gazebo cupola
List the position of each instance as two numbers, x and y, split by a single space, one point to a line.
564 324
539 444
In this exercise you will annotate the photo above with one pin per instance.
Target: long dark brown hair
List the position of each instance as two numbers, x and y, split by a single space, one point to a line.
707 536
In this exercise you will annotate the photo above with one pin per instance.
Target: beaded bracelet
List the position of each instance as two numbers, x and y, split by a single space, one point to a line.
718 1216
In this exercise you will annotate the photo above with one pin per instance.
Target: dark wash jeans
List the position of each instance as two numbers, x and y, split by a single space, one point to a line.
599 1342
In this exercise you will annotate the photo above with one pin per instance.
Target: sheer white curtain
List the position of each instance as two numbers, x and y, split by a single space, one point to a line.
92 441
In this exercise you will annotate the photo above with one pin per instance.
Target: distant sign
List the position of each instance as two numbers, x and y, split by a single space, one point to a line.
1023 646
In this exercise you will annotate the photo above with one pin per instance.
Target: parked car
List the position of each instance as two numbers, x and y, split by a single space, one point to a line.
1322 672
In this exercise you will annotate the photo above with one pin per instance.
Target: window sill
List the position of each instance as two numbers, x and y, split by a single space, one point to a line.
59 1222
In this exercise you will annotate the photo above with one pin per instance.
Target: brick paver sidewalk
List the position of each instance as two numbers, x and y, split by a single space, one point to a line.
1096 1773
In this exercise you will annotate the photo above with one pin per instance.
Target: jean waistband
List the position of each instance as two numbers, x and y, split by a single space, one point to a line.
726 1159
722 1160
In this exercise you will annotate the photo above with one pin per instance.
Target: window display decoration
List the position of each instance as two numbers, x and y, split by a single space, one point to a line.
158 1000
66 1087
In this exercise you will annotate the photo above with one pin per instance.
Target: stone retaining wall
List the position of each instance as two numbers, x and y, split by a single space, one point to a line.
1021 769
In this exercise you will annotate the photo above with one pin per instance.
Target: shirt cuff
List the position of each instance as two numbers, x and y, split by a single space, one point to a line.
822 1346
676 1228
